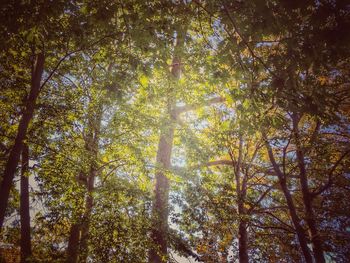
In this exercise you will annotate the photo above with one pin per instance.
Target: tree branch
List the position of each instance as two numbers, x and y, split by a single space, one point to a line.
181 109
330 179
68 55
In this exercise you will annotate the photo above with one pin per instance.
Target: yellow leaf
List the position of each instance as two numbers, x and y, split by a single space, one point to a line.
144 80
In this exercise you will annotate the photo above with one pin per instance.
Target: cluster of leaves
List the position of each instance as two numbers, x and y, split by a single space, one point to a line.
280 71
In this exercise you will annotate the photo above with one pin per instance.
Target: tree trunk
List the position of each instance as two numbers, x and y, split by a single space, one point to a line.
292 210
79 233
159 231
75 230
93 143
159 251
242 228
26 248
13 159
241 186
243 242
307 199
88 208
73 243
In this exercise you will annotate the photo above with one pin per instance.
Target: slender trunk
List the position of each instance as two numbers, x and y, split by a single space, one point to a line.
93 149
307 199
242 228
26 248
79 233
292 210
85 228
241 193
75 230
159 233
13 159
73 243
243 241
160 206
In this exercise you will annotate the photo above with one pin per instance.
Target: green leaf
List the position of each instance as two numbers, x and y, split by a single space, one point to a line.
144 81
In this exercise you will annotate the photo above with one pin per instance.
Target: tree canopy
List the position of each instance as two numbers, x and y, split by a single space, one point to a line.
175 131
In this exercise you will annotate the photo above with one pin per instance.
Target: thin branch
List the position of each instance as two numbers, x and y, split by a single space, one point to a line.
57 66
245 42
274 227
260 199
181 109
53 71
330 179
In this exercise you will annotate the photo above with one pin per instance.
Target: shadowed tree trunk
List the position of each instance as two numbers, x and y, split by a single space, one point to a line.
27 115
243 241
73 243
241 186
290 203
93 148
26 248
79 232
307 198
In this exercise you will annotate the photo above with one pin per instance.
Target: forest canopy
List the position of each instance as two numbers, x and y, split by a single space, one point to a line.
175 131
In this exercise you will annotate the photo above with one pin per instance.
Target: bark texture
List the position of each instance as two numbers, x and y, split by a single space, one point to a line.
241 190
13 159
26 247
243 242
73 243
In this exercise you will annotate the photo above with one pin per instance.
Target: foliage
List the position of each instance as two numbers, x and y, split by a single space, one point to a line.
255 76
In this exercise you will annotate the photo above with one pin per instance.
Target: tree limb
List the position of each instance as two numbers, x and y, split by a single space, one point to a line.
181 109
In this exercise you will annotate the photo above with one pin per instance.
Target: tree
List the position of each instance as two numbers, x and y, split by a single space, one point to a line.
24 207
210 130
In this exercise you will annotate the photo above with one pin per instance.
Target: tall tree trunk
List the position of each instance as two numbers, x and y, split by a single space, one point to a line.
85 228
241 186
307 199
290 203
26 248
75 229
79 232
242 241
13 159
242 229
73 243
159 233
93 144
